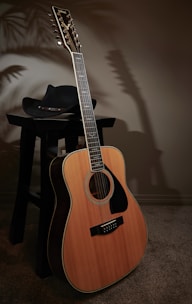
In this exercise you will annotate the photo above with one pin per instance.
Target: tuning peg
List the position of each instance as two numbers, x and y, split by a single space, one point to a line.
56 31
59 43
58 39
53 25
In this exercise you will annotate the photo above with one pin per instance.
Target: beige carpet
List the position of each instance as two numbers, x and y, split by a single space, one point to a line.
163 276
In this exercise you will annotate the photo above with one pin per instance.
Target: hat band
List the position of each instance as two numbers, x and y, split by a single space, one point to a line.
51 109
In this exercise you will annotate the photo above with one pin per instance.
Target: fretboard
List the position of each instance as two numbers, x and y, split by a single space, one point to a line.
87 113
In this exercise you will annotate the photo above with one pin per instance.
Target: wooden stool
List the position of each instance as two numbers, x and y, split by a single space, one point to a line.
49 131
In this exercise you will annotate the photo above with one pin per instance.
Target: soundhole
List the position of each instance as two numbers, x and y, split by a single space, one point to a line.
99 185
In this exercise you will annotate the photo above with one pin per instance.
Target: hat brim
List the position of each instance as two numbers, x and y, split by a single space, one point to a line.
32 107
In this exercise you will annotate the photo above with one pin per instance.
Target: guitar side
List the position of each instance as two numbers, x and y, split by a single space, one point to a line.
92 262
59 217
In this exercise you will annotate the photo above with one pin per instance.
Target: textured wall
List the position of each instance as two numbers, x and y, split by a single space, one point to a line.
138 60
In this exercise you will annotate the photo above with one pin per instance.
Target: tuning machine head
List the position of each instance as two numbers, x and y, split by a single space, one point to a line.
55 29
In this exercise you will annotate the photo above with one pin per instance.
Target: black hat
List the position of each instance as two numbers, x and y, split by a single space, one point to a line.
57 100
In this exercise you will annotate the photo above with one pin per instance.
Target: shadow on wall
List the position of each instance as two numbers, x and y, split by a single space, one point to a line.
30 57
144 170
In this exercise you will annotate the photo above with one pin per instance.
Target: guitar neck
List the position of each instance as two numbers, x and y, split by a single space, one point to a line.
87 112
71 42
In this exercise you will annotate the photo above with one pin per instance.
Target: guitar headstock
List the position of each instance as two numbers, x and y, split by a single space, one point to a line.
66 28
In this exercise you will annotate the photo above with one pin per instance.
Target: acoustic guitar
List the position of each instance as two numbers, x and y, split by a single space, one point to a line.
97 234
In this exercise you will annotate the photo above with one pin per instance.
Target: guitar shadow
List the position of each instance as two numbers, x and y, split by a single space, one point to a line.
144 171
140 158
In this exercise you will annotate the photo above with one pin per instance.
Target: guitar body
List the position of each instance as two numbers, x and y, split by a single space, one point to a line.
94 240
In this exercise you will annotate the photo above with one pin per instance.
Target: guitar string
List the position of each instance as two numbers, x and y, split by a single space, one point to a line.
100 178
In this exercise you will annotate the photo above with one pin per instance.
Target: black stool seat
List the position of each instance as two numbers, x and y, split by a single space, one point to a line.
49 131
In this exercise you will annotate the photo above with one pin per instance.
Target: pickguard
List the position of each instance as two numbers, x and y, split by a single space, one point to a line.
118 201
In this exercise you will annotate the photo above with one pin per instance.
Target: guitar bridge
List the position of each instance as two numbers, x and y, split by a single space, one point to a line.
106 227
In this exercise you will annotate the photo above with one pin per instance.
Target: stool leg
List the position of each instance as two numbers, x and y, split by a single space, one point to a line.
27 144
71 143
100 133
46 211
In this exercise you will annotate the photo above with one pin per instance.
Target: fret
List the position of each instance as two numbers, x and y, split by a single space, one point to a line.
94 150
91 131
91 134
93 139
97 167
95 154
93 143
95 161
89 119
87 113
